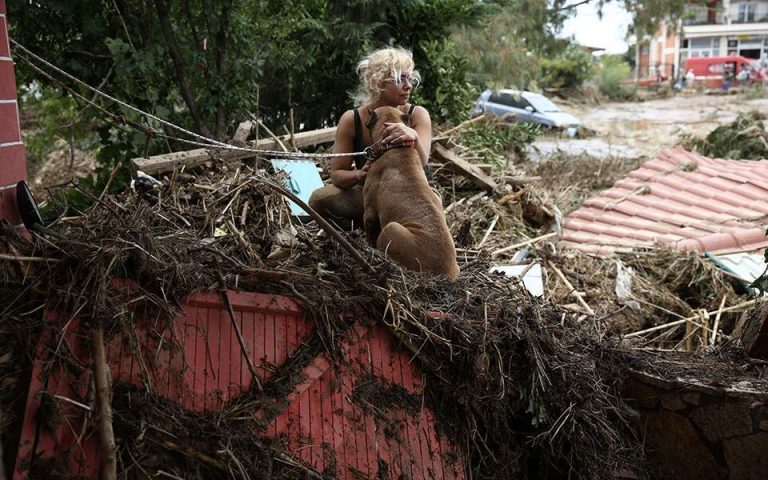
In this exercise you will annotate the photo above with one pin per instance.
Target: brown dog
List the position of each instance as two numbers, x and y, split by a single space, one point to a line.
403 216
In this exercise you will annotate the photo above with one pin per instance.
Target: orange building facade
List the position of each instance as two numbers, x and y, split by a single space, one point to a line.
715 29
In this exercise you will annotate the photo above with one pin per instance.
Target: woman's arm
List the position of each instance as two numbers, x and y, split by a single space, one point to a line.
342 174
422 123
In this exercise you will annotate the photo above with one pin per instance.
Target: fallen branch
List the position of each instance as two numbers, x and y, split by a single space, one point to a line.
513 196
15 258
272 135
488 232
688 319
522 244
462 125
717 322
573 291
104 403
260 275
240 339
323 224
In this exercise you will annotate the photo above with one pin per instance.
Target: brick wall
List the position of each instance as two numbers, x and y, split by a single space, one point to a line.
13 165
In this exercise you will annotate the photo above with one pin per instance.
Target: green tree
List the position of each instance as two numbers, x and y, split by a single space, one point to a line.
611 71
515 38
570 69
206 65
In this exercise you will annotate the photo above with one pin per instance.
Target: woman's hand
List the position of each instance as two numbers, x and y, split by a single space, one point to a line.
399 133
363 172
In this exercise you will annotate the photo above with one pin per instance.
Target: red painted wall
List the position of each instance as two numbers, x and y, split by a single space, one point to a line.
13 165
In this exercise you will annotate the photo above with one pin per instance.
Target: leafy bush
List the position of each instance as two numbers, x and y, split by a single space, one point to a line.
53 117
612 70
570 69
744 139
492 138
446 93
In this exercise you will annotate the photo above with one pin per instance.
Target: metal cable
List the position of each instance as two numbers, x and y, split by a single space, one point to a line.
209 142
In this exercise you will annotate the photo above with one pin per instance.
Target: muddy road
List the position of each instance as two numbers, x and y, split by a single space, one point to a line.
643 128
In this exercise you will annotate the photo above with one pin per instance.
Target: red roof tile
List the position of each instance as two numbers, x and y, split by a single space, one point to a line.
681 200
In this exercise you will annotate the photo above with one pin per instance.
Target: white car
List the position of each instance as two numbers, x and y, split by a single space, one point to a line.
521 106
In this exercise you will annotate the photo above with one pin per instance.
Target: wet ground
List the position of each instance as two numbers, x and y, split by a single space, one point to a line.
643 128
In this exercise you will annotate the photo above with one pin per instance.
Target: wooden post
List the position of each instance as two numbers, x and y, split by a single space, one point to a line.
103 384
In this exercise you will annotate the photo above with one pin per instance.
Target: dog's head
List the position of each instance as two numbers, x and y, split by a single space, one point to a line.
382 115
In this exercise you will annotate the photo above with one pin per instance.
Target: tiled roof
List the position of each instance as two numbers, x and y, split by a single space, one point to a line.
681 200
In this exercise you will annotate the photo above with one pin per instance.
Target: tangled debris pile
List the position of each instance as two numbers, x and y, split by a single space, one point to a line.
744 139
527 388
517 382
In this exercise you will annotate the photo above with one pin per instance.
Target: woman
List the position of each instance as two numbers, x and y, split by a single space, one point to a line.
387 78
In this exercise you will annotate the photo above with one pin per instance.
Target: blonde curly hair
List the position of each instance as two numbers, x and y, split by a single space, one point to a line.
382 64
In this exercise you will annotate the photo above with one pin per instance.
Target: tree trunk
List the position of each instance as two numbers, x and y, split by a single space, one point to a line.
178 67
222 66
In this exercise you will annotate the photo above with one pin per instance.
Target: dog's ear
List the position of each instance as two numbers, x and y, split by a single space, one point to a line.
406 118
372 118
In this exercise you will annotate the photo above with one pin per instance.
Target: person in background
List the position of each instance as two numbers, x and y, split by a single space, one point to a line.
744 75
690 78
728 76
387 78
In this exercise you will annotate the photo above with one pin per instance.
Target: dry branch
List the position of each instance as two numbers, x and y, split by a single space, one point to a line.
103 385
522 244
324 225
694 317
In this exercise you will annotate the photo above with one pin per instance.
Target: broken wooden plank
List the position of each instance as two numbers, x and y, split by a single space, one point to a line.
191 158
462 167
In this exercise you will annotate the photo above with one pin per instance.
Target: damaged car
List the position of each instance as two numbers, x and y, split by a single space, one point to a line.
522 106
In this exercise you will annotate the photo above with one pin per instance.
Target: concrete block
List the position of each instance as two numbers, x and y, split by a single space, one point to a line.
725 419
746 457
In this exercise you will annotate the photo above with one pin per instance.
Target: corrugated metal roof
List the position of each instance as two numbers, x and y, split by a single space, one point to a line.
326 419
680 200
746 266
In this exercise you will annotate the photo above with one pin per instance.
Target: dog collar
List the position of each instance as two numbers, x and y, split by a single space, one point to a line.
377 149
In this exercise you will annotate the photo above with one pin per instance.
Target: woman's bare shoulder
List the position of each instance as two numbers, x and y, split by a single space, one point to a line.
420 111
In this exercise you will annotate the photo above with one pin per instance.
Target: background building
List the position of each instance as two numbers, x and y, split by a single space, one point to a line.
712 29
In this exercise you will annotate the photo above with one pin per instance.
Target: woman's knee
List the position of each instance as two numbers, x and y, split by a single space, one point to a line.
322 199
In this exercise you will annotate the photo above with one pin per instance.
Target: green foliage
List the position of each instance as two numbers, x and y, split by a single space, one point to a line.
493 138
648 15
570 69
207 65
447 94
611 71
495 58
56 118
743 139
504 47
